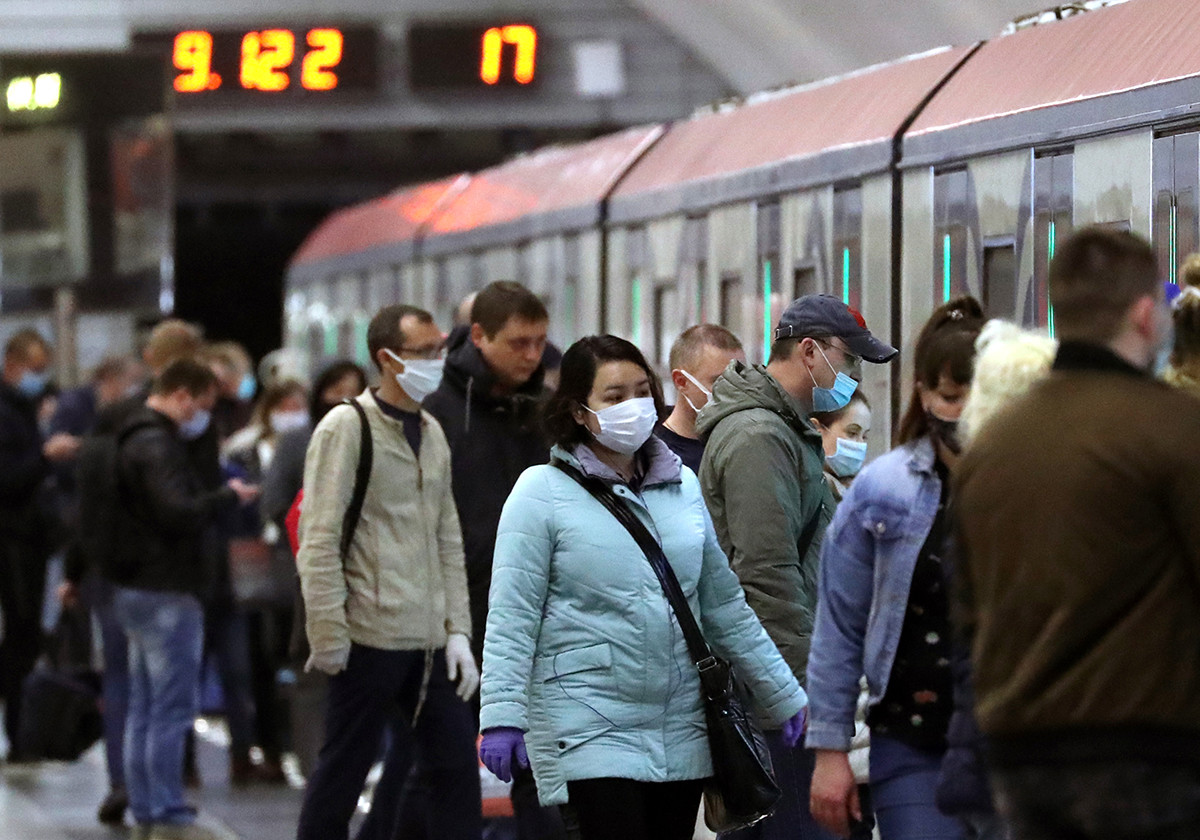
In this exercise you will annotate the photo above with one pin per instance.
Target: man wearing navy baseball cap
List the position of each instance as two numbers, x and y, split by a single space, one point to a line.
762 479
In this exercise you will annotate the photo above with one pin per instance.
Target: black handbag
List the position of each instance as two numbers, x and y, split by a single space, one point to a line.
742 790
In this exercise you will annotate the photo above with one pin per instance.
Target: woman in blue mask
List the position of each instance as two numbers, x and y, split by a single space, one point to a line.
883 610
586 674
844 435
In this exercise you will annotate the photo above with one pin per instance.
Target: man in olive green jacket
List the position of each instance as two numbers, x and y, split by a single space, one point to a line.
763 480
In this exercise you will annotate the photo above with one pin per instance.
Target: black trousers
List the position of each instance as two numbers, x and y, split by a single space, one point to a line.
22 586
362 702
622 809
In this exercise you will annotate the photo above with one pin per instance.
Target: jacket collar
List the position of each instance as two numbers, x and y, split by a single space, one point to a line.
1085 356
659 465
921 455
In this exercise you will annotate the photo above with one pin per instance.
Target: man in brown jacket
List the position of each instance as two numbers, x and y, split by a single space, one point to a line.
1079 516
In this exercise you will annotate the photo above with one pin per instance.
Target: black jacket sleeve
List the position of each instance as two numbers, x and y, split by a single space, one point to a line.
22 466
156 467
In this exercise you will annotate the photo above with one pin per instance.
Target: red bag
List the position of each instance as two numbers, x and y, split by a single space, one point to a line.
291 523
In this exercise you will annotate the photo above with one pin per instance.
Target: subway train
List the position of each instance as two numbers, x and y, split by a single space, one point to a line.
895 187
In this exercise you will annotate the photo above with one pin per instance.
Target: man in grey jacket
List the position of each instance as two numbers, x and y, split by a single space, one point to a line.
762 477
389 621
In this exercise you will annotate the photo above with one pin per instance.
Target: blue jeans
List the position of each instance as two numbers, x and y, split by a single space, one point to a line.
791 820
904 792
166 639
115 685
363 699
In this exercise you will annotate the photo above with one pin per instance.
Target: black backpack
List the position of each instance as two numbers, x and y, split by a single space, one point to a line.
100 500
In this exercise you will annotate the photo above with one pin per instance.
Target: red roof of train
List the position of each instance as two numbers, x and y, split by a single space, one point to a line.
396 217
553 179
852 110
1109 50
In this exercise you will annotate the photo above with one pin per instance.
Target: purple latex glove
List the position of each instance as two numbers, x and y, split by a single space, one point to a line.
793 727
500 745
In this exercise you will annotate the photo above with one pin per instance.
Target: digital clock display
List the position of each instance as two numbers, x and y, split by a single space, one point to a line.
473 56
271 60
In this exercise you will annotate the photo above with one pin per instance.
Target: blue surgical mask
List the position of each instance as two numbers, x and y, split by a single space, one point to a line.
848 459
196 425
246 388
835 398
32 385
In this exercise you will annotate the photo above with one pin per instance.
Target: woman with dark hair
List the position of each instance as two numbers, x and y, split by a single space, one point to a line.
585 671
844 438
882 607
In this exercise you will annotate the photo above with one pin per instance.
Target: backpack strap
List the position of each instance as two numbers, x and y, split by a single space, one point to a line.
362 475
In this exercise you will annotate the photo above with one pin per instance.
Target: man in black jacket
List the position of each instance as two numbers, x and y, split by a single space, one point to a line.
159 572
24 543
488 405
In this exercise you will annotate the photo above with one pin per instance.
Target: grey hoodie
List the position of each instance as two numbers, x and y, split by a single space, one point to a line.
763 479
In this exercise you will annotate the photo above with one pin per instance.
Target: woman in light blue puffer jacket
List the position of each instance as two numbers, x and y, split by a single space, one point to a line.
584 663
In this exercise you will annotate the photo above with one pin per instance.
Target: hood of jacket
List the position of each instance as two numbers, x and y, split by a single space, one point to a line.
659 464
741 387
468 373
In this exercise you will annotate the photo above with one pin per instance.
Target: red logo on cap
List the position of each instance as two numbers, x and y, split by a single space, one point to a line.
857 316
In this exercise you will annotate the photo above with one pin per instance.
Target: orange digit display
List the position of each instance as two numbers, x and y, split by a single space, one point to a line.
193 53
265 57
523 37
324 54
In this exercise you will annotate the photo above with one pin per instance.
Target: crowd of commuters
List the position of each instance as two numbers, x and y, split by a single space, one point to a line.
981 634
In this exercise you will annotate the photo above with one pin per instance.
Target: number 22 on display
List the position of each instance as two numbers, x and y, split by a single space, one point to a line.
266 57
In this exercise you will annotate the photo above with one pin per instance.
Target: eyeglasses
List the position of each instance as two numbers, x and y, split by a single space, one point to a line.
852 358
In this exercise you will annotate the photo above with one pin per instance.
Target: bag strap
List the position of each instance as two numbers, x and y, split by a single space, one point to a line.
362 475
697 647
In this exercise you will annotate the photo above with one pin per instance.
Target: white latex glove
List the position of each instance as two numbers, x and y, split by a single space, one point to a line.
460 665
328 661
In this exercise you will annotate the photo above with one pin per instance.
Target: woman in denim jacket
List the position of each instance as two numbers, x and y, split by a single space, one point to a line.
883 610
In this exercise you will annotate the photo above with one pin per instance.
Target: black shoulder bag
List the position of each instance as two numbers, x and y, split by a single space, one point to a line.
742 790
298 647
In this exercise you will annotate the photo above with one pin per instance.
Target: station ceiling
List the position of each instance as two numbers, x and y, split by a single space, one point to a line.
755 44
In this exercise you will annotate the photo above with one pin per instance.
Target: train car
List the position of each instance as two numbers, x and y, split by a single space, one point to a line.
536 219
735 213
359 259
1091 120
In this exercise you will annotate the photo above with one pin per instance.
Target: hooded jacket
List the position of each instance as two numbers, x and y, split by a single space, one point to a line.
763 479
582 647
493 439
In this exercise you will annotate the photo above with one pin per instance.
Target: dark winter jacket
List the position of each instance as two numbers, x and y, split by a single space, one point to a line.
165 509
763 477
493 439
23 468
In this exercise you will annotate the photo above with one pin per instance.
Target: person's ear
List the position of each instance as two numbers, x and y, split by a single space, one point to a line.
386 361
1143 317
679 380
477 335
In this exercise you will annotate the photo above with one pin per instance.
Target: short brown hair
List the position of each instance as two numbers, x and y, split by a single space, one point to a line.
22 342
1189 271
686 348
173 339
230 355
1095 276
384 333
502 300
192 375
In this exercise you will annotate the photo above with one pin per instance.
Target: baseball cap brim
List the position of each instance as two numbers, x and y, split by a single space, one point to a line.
870 348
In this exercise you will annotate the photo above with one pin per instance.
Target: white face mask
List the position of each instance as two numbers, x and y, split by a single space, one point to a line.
287 421
421 377
624 427
707 393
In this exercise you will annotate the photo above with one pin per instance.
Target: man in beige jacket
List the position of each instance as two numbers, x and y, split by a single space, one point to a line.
390 621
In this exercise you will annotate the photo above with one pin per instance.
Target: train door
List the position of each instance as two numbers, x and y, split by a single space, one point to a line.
951 189
847 244
693 268
1174 224
1053 214
1000 277
567 320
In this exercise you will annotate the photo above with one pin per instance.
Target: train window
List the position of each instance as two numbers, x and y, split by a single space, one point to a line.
847 244
694 263
950 206
1000 279
730 315
666 320
804 280
637 258
441 288
769 300
1175 226
569 319
1053 214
